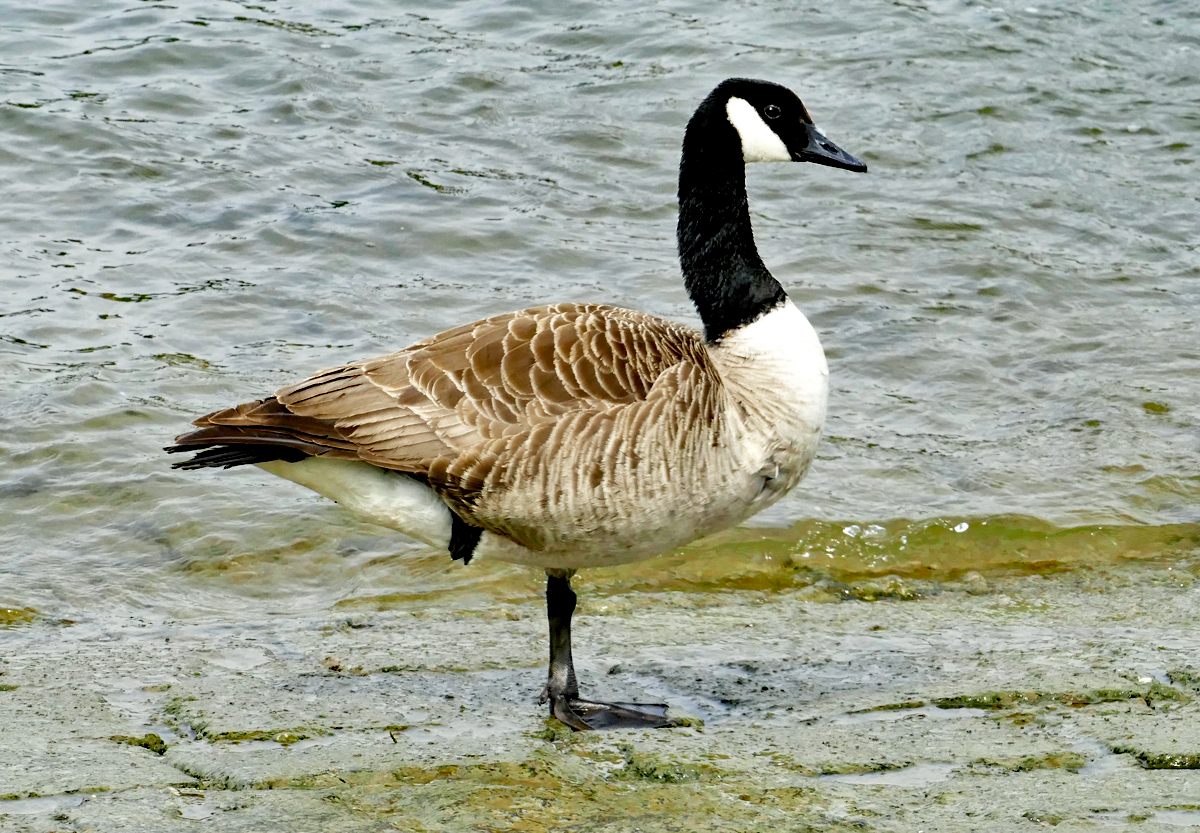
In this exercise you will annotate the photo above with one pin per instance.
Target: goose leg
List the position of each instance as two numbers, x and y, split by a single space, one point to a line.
562 689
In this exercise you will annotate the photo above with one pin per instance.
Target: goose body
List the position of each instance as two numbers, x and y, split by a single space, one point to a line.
578 435
593 455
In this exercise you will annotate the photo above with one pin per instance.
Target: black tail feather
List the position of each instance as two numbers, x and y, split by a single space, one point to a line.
228 456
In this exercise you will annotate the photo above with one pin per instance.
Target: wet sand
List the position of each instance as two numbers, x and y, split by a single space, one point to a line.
988 703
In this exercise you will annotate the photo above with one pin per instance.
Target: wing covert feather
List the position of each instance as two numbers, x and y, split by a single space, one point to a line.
483 407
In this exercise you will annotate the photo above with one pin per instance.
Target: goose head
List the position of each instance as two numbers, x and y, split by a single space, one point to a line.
740 121
773 125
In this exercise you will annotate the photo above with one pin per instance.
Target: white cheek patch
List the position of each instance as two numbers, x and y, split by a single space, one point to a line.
759 142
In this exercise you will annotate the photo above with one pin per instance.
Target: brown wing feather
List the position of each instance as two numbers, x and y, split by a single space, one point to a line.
492 379
475 407
266 421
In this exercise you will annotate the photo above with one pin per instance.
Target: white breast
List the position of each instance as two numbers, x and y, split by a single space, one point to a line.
775 370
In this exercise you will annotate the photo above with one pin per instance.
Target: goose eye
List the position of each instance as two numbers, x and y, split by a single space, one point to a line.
772 111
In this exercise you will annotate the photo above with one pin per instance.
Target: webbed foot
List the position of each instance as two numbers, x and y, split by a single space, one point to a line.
596 715
562 690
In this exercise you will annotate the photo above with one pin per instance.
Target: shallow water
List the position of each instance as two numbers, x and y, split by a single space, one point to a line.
204 201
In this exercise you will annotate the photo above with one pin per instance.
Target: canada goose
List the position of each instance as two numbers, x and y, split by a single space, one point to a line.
579 435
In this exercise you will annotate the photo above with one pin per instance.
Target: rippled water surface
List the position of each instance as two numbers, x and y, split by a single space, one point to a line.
205 200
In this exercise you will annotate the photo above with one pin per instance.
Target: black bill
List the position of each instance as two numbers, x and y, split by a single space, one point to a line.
821 151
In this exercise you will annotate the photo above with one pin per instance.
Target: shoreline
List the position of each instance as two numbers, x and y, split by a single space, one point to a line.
1070 699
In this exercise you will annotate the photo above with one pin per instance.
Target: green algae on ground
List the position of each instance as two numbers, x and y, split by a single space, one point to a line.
898 559
1153 760
1044 818
887 587
890 707
781 795
1187 677
1010 699
1021 718
555 731
990 700
1070 761
173 714
551 790
642 766
860 769
818 561
174 706
151 741
14 617
286 737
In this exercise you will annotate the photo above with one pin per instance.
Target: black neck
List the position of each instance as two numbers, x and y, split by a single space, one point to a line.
722 271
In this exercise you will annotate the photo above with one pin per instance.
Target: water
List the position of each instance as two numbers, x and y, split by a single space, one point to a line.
207 200
43 804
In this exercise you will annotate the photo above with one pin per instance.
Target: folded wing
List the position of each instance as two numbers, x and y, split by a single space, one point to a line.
472 408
